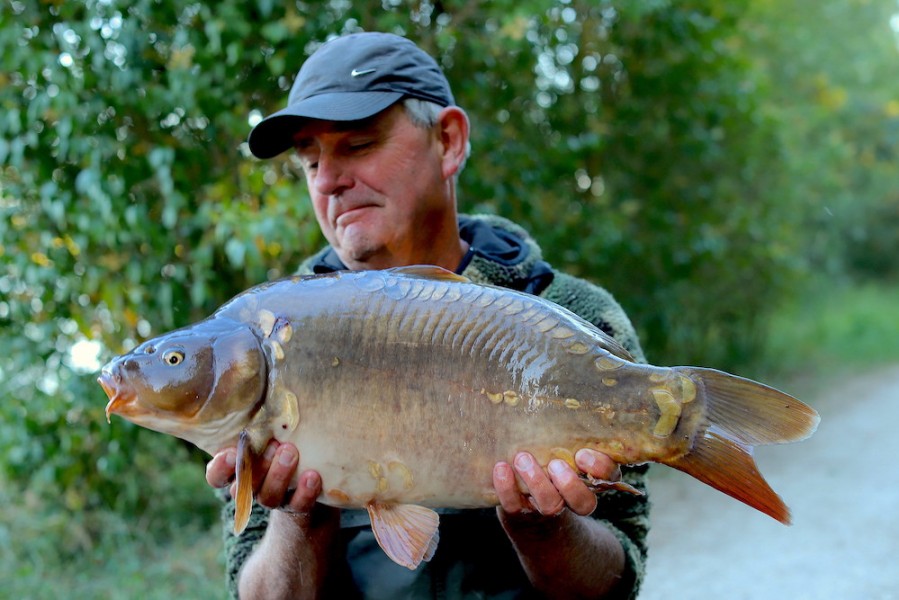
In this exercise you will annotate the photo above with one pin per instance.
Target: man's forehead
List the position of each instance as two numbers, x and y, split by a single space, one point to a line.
380 121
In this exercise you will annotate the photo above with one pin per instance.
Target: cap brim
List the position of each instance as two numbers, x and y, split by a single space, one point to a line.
274 134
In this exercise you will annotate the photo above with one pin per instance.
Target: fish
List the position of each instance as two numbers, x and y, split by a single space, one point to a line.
404 387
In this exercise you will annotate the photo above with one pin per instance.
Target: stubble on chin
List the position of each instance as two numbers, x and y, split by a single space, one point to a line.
356 247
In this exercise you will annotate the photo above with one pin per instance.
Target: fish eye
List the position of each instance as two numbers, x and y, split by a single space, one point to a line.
173 357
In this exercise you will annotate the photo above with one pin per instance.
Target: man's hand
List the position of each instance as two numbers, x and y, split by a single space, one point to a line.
273 474
294 556
565 553
550 494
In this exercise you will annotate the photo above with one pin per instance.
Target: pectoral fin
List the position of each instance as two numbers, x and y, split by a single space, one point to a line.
407 533
243 501
601 485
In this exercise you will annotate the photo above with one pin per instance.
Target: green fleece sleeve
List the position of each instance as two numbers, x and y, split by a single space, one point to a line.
626 515
239 547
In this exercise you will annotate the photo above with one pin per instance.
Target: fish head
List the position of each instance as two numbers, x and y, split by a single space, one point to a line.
200 383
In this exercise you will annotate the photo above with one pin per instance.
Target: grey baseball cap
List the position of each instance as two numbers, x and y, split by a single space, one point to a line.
350 78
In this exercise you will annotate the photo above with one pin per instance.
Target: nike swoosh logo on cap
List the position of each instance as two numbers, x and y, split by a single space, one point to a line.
357 73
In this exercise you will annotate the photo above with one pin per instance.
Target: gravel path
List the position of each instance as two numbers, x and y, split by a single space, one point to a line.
842 486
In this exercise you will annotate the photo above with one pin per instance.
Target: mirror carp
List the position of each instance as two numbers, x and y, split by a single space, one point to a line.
404 387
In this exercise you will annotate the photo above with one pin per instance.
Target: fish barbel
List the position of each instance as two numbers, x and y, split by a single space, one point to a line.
404 387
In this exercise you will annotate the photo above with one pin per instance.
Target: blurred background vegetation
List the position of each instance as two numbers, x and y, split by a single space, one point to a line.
728 169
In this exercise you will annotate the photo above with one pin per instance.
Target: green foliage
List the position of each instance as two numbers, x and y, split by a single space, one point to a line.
872 246
128 208
830 69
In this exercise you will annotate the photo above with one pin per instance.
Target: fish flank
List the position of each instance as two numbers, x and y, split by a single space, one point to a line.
528 315
486 338
472 296
456 328
504 346
398 290
469 334
438 292
432 322
407 320
486 299
443 331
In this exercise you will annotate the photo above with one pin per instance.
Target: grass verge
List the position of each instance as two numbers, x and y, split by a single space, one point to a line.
830 331
47 552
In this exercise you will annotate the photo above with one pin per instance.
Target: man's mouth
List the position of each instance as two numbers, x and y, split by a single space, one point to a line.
351 213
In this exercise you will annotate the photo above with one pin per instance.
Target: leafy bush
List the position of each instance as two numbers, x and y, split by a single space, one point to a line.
839 123
872 250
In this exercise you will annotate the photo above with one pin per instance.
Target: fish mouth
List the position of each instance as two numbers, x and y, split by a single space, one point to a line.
119 396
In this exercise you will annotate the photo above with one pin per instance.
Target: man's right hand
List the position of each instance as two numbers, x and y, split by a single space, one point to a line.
294 556
273 478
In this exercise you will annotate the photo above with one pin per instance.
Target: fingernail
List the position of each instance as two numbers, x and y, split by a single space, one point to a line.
286 457
586 458
557 467
524 462
231 458
500 472
311 482
269 452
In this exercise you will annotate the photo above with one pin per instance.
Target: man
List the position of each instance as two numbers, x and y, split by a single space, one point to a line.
376 129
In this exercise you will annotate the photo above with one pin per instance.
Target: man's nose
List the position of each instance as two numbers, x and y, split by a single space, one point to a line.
331 176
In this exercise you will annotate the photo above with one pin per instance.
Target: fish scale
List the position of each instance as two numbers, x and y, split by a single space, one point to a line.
403 388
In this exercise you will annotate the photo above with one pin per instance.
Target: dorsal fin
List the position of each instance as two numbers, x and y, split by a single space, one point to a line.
609 343
428 272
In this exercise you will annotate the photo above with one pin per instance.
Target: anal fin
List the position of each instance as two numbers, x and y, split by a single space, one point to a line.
407 533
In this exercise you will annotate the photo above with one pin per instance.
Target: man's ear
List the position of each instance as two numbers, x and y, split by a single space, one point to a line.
453 128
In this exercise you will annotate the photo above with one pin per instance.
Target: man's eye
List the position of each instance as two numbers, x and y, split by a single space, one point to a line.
307 164
308 156
356 146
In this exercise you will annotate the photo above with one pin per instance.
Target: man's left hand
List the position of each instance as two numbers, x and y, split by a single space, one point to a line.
550 492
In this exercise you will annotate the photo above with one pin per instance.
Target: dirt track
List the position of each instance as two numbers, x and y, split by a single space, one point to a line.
842 486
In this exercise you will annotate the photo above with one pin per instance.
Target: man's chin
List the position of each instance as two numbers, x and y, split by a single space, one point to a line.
358 255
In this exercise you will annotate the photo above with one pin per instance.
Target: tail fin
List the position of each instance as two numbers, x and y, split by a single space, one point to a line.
742 414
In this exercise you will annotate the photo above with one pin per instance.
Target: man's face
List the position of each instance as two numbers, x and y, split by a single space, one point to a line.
377 186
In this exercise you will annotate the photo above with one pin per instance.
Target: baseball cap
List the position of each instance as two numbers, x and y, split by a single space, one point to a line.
349 78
